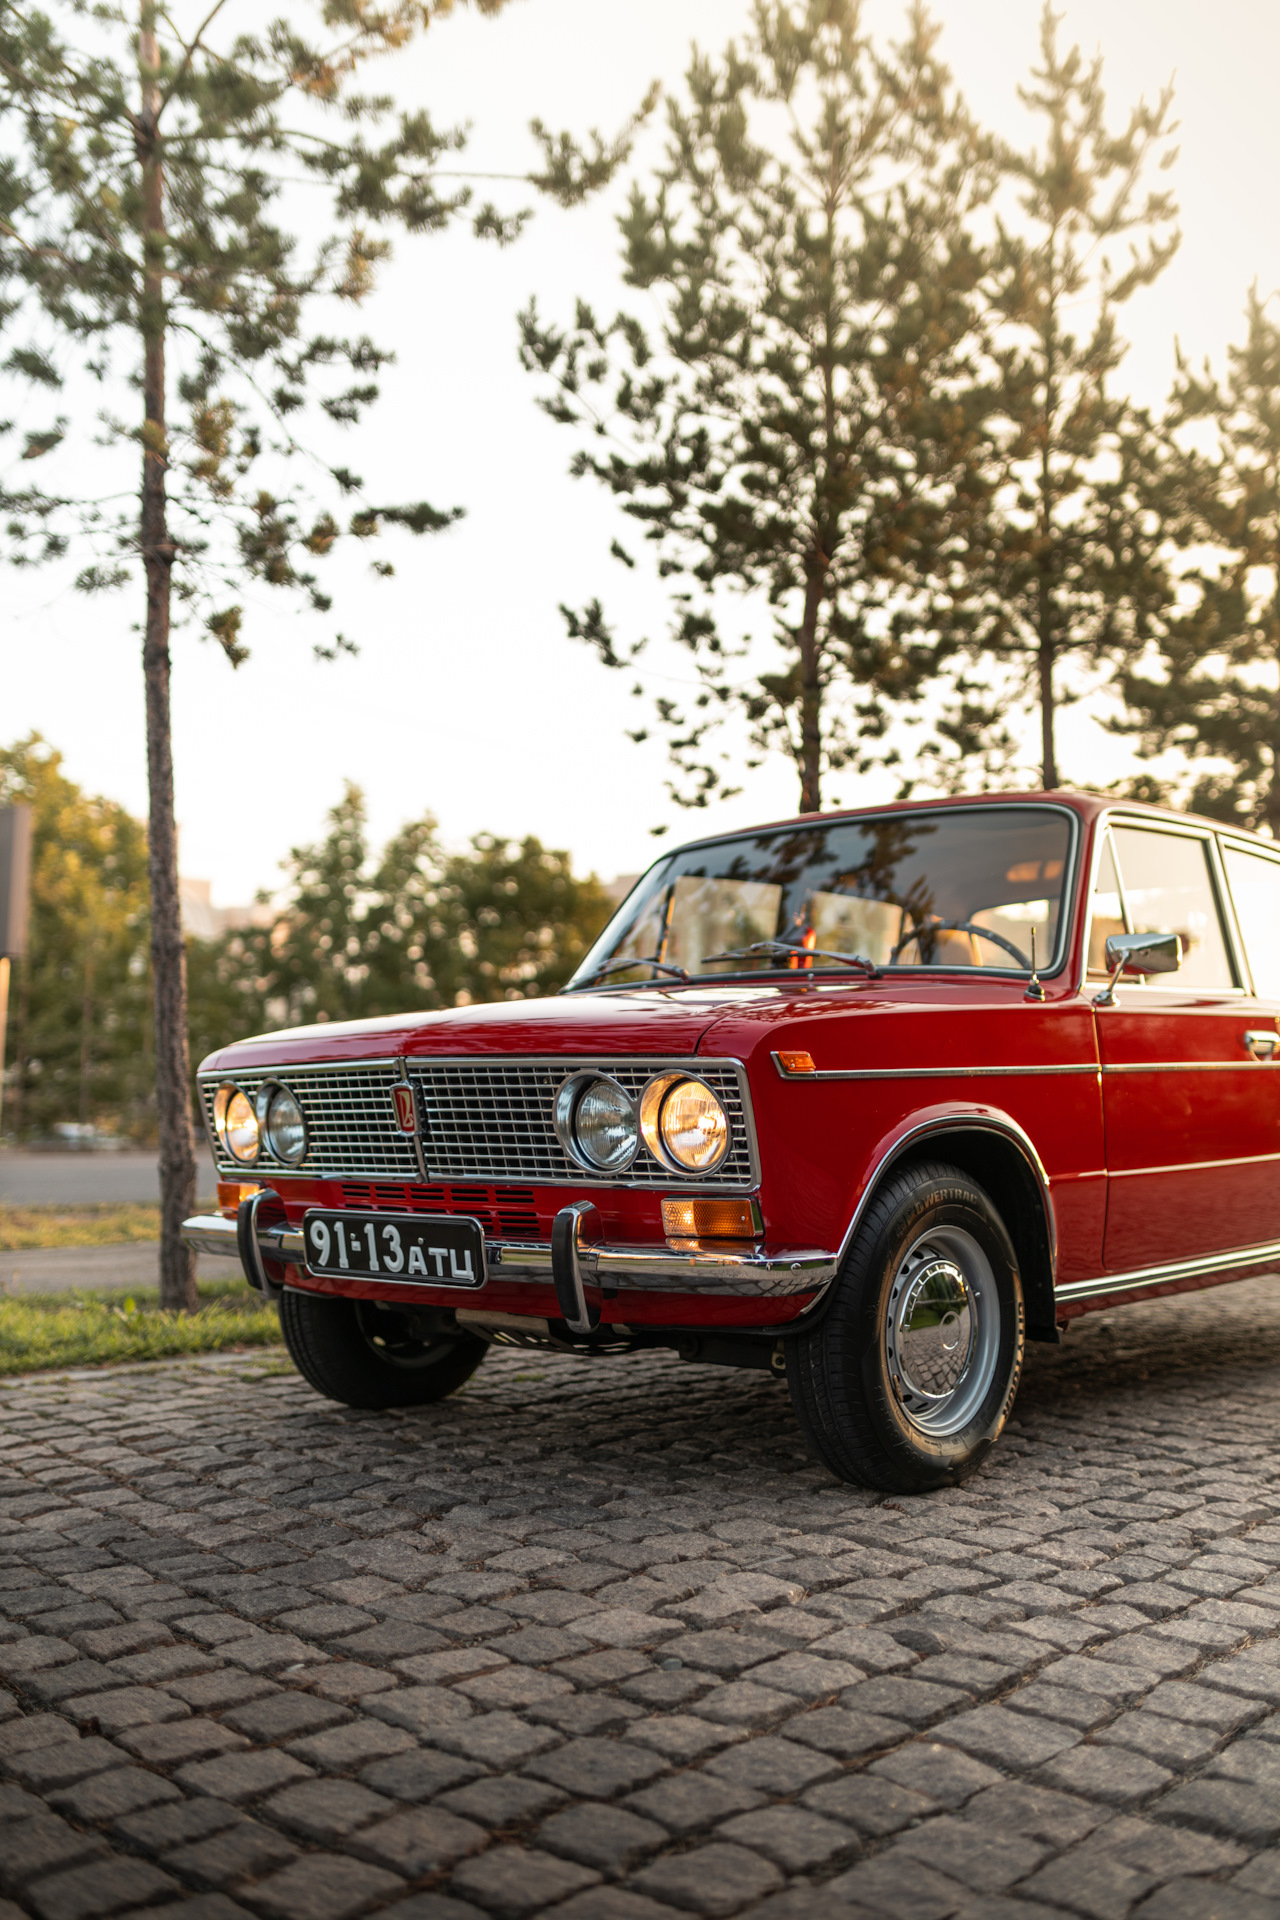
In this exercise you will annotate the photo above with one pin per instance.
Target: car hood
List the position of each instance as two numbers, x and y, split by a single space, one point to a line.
648 1021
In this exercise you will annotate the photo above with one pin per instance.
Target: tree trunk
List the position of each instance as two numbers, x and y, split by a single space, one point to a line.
810 700
168 954
1048 757
86 1038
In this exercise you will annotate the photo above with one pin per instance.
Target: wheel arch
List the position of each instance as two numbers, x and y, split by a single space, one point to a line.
996 1152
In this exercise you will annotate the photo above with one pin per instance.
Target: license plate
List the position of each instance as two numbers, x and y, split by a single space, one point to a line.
429 1249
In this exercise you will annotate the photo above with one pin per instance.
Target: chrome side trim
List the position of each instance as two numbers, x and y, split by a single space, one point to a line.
1142 1277
1188 1066
930 1073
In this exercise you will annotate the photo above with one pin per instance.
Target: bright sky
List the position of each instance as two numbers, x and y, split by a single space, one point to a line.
467 700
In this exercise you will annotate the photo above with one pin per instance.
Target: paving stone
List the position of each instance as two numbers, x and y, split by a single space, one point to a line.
774 1765
510 1881
691 1802
285 1716
43 1768
99 1887
418 1774
1013 1741
1194 1900
906 1888
233 1855
496 1739
974 1854
324 1886
1204 1706
946 1777
104 1796
419 1841
597 1769
1227 1807
1114 1774
717 1878
242 1776
794 1838
32 1848
609 1838
871 1806
1095 1885
175 1823
504 1801
174 1741
325 1810
1170 1743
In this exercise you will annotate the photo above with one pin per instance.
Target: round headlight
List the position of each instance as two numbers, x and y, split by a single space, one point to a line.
236 1124
284 1128
596 1123
694 1127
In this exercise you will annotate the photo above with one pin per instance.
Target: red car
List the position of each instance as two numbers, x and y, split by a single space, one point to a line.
864 1099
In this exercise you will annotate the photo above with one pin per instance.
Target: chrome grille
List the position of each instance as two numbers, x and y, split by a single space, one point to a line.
483 1121
492 1120
350 1115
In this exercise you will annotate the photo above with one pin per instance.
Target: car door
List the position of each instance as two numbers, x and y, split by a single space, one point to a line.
1189 1143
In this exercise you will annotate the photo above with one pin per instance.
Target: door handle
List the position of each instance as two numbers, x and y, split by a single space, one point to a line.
1261 1043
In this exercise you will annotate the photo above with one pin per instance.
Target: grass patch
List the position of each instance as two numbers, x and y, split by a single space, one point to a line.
23 1228
40 1331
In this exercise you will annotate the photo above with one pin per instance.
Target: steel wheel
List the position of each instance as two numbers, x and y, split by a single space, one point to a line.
942 1330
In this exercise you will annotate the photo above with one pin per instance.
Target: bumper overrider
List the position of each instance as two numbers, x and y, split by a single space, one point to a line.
574 1261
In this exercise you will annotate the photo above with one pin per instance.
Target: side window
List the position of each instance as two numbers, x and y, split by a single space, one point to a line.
1106 915
1168 888
1255 888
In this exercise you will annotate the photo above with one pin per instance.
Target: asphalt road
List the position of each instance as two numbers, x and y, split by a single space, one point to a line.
598 1640
42 1179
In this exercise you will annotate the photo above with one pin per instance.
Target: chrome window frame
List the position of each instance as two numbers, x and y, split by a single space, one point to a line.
815 976
1186 830
1268 850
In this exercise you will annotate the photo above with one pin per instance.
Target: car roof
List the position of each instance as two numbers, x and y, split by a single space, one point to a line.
1087 805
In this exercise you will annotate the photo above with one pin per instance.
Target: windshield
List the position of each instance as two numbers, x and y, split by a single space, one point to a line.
961 888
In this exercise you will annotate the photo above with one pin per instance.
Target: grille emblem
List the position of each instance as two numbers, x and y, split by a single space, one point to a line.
402 1094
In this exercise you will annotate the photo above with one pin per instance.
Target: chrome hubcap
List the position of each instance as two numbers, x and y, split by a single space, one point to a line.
942 1330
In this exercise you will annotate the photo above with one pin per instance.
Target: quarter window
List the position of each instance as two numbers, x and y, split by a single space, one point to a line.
1168 888
1106 913
1255 888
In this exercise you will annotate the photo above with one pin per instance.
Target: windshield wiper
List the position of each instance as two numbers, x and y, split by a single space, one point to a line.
643 960
869 967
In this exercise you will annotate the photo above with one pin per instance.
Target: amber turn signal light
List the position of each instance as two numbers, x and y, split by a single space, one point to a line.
796 1063
232 1192
710 1219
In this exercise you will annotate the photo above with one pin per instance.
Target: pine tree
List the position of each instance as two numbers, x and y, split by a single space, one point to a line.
799 427
1070 564
1212 692
148 192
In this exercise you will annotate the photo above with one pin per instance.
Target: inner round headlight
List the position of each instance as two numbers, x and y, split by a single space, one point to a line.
284 1128
694 1127
236 1124
604 1126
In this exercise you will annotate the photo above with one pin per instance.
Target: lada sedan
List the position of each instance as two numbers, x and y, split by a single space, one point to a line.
864 1099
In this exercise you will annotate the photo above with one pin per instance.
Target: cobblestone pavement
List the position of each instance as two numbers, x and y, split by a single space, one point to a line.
598 1640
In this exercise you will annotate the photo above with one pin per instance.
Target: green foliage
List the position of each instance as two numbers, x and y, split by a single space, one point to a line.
154 184
409 930
799 426
39 1332
1070 562
79 1045
1210 691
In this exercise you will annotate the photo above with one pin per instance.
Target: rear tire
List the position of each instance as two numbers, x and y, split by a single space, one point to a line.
907 1381
366 1353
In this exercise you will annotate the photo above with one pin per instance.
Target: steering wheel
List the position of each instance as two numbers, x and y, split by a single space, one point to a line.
959 926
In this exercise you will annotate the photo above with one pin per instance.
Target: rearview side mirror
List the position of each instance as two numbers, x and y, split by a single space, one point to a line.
1140 953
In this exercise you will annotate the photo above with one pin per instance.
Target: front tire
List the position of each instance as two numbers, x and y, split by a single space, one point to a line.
365 1353
907 1381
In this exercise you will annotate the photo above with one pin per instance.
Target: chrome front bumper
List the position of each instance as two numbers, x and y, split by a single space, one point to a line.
685 1268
